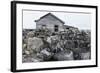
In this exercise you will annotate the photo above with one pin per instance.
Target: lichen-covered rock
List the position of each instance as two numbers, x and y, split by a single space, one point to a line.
27 52
69 44
45 54
40 45
32 59
34 43
24 46
31 34
64 55
85 55
48 40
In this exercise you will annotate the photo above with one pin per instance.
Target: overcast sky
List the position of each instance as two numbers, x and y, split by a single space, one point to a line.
79 20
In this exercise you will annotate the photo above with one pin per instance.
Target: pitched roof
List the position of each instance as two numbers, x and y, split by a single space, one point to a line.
51 15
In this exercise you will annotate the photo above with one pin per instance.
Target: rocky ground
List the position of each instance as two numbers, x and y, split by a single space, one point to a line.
43 45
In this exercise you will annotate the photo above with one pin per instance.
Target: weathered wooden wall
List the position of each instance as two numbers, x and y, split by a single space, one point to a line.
50 22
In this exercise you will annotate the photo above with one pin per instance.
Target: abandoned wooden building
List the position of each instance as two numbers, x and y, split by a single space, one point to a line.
53 23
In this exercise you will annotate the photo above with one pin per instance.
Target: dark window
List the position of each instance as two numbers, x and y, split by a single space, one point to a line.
56 28
67 28
43 26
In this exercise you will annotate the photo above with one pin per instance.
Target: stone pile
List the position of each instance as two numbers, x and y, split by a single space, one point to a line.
43 45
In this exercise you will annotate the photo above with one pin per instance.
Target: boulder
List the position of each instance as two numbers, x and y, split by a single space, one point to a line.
64 55
24 46
34 44
69 44
45 54
48 40
85 55
27 52
31 59
53 38
31 34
